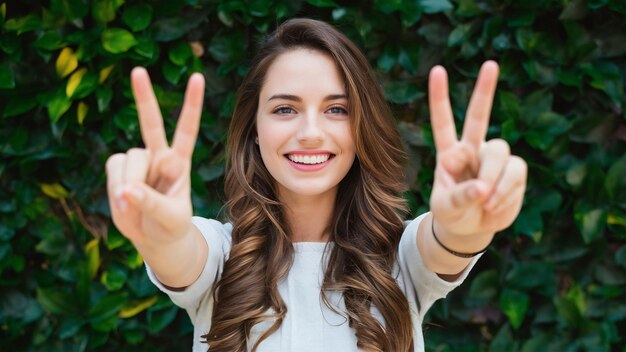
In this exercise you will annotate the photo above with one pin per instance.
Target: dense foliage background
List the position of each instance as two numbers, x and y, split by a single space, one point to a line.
555 280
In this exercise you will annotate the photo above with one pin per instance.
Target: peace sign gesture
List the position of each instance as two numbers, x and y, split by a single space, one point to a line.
149 189
479 186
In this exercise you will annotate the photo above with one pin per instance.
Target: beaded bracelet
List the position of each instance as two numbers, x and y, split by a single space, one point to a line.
453 252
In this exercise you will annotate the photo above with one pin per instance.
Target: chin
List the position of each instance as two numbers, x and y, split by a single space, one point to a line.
309 189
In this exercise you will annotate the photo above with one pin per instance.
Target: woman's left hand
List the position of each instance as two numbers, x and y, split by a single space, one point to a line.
479 186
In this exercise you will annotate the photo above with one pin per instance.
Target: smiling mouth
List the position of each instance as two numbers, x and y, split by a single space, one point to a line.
309 159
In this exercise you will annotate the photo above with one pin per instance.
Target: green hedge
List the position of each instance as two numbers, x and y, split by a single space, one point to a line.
555 280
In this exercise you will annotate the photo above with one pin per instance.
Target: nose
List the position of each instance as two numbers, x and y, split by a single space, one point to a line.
311 129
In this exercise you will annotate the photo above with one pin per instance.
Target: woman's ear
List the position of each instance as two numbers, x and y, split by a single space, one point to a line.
256 139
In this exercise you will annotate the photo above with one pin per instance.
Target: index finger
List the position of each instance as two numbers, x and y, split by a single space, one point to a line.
441 117
189 121
479 109
150 120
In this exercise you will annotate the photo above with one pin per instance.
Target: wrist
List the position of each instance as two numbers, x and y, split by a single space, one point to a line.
462 246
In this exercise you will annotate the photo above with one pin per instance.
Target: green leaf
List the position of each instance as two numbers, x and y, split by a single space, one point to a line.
158 320
103 98
169 29
609 274
180 53
514 304
134 337
596 4
402 92
542 341
527 40
459 34
577 296
568 310
103 11
548 201
615 181
86 86
135 307
57 301
225 48
6 233
117 40
138 17
435 33
533 275
388 58
529 223
485 286
388 6
71 9
590 221
7 80
322 3
435 6
109 306
147 49
23 24
508 105
70 327
49 40
58 105
92 251
574 10
114 278
503 341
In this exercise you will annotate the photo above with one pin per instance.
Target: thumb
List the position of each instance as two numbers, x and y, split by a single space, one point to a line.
466 194
152 203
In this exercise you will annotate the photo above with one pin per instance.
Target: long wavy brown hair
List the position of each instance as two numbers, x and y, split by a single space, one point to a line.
367 221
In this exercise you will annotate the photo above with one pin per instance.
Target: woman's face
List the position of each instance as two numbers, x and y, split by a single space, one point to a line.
303 125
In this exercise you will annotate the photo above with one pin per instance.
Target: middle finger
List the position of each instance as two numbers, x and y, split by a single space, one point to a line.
479 109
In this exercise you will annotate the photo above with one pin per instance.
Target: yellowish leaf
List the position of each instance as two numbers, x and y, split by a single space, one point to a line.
614 220
3 10
81 112
104 73
92 250
135 307
134 260
54 190
66 62
74 81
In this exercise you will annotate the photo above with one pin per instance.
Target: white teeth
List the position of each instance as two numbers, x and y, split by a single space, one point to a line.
309 159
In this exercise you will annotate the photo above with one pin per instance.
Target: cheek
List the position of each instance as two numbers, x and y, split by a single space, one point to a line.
346 138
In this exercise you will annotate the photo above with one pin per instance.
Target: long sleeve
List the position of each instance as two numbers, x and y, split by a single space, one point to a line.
426 286
218 238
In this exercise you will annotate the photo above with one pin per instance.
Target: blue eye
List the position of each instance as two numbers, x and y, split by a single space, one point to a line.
338 110
283 110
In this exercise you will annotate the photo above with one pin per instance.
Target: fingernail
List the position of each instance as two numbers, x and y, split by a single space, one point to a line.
479 189
121 204
136 193
474 192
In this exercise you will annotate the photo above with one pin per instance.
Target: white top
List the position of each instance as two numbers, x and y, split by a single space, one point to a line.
309 326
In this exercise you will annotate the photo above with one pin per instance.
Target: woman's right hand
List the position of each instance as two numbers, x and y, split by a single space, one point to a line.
149 189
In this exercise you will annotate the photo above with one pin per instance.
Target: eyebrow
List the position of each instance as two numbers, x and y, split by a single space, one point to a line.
298 99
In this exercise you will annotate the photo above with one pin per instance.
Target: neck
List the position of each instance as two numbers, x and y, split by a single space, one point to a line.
309 216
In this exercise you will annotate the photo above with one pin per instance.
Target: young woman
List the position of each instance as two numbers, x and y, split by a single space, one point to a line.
315 255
